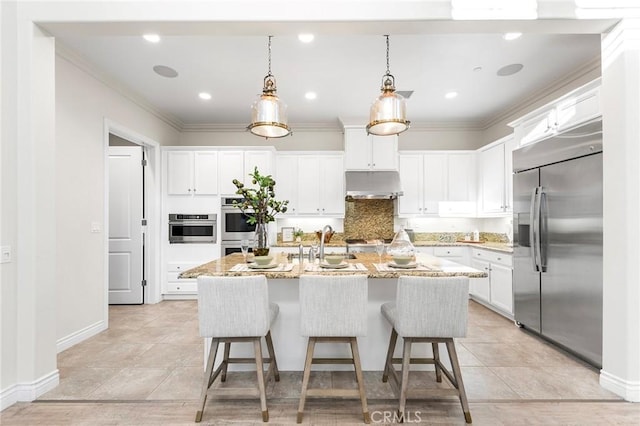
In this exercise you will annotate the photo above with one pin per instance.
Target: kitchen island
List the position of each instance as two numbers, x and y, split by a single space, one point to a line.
290 346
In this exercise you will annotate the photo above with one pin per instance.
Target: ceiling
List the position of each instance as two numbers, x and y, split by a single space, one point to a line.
343 67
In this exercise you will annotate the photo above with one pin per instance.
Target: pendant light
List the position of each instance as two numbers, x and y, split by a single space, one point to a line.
388 114
268 113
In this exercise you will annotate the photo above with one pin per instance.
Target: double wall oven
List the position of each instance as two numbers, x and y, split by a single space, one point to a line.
234 227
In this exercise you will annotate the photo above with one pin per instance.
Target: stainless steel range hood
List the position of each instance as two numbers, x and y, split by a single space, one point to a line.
372 185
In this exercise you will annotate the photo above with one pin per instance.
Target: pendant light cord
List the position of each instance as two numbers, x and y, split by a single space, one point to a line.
388 72
269 73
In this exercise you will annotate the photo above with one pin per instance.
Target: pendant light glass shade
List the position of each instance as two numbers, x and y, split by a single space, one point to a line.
268 112
388 114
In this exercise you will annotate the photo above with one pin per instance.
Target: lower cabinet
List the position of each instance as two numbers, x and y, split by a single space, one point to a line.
175 285
455 254
496 290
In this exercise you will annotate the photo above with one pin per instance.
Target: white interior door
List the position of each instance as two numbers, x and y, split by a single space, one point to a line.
125 225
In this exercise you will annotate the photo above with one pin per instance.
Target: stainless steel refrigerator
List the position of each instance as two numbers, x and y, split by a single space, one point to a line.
557 221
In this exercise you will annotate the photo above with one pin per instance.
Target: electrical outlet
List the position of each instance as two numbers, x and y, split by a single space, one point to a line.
5 254
96 228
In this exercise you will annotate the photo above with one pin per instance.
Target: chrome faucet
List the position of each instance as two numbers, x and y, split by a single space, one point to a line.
324 232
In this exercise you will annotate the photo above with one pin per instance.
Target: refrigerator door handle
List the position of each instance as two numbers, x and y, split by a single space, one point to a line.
536 229
532 232
542 233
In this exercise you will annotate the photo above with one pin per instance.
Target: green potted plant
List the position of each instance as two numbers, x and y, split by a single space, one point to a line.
260 206
298 233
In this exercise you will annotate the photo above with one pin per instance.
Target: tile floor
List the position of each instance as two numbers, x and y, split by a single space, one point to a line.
147 369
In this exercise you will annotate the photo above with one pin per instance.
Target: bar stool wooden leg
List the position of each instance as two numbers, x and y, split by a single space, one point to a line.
392 346
406 362
272 356
305 377
206 382
436 361
225 361
453 356
257 347
359 377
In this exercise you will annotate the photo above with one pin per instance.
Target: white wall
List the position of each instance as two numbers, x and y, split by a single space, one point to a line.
333 140
440 139
82 104
329 140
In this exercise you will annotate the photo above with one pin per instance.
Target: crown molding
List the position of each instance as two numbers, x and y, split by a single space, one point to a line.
80 62
528 104
434 126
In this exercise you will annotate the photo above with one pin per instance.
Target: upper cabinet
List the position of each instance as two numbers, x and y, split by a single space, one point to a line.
239 164
312 182
192 172
574 108
437 183
495 180
369 152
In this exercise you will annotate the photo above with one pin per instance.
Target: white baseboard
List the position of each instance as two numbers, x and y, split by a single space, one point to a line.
80 335
28 391
628 390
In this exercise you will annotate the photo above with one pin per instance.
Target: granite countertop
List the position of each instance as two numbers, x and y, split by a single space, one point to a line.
489 245
445 268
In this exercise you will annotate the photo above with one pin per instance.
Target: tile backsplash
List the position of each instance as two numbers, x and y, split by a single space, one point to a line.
368 219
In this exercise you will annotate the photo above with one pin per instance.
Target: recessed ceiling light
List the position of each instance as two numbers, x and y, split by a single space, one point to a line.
165 71
477 69
151 38
204 95
306 38
511 36
451 95
509 69
311 95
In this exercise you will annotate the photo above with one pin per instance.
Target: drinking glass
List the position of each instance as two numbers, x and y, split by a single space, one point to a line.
244 246
379 249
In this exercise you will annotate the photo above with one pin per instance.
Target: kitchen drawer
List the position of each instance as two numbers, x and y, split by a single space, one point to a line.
449 251
492 256
182 286
181 266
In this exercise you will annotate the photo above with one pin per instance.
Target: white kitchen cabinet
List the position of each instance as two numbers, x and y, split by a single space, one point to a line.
287 182
495 173
369 152
239 164
537 127
431 177
321 180
192 172
175 285
497 291
570 110
313 183
479 288
578 108
461 183
455 254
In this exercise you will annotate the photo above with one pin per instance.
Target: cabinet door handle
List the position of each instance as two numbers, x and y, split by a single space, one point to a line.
194 190
189 189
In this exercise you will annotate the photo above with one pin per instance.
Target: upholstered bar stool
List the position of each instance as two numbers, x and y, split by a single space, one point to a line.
333 309
236 309
432 310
